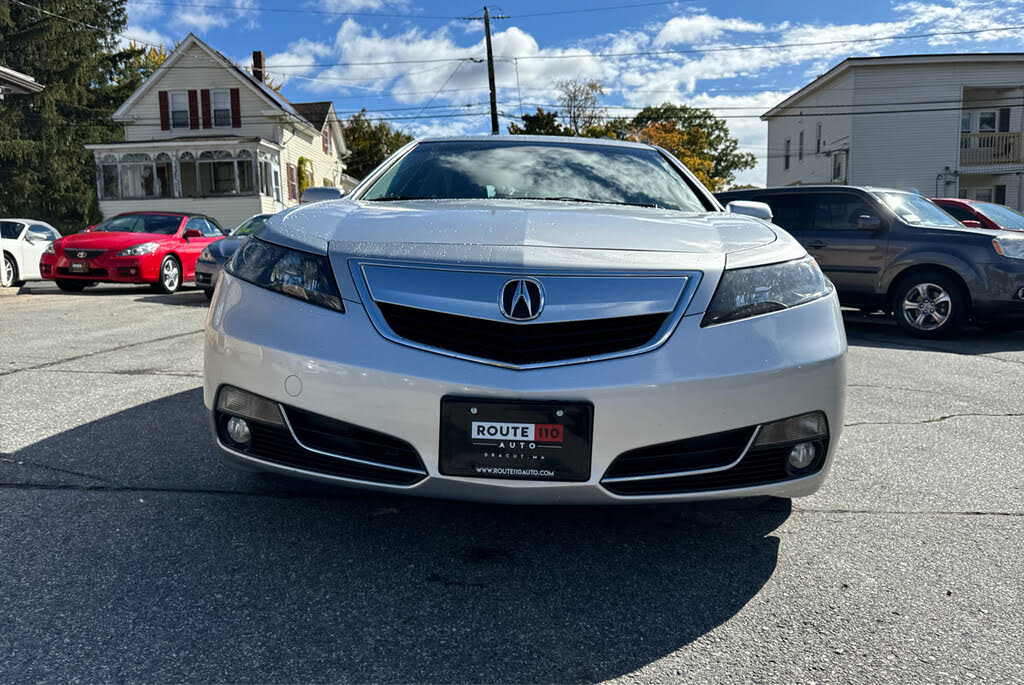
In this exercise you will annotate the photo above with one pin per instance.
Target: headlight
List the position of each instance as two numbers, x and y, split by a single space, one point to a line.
138 250
205 255
1009 246
762 289
290 272
50 249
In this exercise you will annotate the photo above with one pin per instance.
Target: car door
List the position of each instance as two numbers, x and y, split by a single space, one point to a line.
33 244
190 250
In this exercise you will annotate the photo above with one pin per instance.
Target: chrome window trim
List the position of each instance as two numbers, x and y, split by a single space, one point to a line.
355 460
676 474
693 279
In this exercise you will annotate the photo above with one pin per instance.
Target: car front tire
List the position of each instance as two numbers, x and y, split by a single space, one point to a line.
930 304
8 272
71 286
170 276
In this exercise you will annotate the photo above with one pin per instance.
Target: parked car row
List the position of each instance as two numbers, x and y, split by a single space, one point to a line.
901 253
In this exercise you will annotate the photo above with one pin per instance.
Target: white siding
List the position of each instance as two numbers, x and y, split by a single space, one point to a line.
835 133
228 211
198 72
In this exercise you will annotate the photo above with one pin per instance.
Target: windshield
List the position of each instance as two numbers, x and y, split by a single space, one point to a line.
917 211
251 226
164 224
513 170
1004 216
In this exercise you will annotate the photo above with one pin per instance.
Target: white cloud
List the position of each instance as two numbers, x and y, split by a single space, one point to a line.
354 5
144 38
198 18
701 27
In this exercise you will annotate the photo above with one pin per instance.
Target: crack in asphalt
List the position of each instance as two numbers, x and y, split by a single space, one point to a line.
129 372
936 419
8 459
119 348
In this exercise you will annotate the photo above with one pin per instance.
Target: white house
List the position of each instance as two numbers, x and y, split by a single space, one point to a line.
945 125
16 83
203 135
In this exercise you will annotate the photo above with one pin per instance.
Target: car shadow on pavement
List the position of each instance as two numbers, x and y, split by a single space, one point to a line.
187 571
876 330
187 297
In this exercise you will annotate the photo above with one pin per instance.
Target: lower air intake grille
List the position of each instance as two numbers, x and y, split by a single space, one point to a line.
533 343
760 466
275 444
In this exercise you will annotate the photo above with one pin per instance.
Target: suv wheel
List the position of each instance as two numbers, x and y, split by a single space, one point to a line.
930 305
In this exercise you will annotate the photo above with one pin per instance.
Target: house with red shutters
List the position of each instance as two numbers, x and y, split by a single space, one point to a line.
205 135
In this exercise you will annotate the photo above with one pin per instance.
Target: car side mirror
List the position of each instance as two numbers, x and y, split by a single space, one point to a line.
868 222
192 233
758 210
972 223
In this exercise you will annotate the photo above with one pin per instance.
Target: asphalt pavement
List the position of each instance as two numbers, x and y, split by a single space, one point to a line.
128 553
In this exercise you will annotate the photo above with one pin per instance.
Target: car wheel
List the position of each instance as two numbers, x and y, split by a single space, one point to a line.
930 305
71 286
170 276
209 293
8 272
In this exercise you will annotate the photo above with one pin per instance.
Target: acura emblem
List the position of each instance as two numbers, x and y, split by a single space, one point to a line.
83 255
521 299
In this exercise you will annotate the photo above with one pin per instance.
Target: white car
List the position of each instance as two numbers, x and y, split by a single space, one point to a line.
22 242
529 320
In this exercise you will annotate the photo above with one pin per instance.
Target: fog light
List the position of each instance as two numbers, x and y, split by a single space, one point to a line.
802 455
238 431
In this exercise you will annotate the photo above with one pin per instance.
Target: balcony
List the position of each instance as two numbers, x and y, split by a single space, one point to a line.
990 149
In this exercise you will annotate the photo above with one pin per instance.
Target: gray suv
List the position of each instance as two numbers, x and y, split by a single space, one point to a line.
899 252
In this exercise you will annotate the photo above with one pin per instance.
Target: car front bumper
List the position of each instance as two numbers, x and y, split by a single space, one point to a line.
701 381
107 268
208 273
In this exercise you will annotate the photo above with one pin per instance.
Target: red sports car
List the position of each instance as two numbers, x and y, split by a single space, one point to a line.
159 248
982 214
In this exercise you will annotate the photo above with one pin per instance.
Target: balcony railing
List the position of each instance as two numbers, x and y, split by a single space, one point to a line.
990 148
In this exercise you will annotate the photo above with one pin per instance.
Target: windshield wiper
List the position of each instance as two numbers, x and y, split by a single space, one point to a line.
565 198
399 198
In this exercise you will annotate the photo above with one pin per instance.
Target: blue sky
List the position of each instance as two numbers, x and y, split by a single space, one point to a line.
423 79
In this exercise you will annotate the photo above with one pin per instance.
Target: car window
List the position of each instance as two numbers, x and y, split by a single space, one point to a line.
40 233
163 224
251 226
1004 216
839 211
958 212
915 210
206 228
792 212
529 170
10 230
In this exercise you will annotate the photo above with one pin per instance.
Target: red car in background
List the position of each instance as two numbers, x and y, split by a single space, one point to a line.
159 248
984 214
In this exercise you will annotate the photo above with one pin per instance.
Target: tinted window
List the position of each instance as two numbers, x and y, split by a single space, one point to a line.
916 210
791 211
512 170
252 225
163 224
958 213
839 211
10 230
40 233
205 227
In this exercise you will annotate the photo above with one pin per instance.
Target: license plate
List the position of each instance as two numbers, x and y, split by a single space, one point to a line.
79 267
525 440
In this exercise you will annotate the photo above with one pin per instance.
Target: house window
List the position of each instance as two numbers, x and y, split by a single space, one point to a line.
179 108
965 122
135 175
221 100
216 172
245 171
817 144
785 156
293 182
983 194
277 183
986 122
1000 195
800 147
837 166
326 136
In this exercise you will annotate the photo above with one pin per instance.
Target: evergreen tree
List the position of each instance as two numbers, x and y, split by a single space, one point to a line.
369 143
45 171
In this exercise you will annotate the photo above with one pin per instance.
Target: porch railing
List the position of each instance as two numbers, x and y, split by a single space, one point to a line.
990 148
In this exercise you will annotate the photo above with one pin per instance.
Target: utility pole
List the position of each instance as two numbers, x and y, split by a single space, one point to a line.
490 66
490 73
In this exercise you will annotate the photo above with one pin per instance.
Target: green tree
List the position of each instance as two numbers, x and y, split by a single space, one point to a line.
581 104
723 148
45 171
369 143
543 123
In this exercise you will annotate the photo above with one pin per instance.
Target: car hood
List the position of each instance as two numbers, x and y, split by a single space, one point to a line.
512 223
224 248
112 240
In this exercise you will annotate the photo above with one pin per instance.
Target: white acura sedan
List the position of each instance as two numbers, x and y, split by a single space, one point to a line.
529 320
